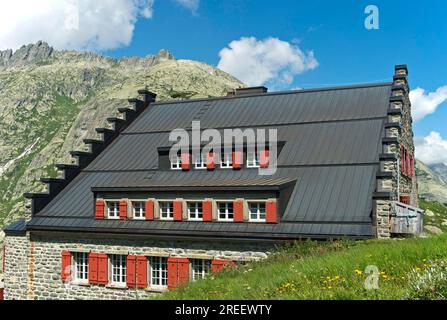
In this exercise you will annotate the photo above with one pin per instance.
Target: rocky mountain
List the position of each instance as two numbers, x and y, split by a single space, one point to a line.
432 182
51 100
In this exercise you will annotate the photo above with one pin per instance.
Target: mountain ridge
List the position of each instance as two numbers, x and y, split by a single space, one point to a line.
51 100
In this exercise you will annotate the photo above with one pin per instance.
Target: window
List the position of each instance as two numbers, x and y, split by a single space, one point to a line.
118 269
139 210
200 268
225 211
176 163
227 160
158 272
167 210
257 211
201 161
113 209
80 260
195 211
252 160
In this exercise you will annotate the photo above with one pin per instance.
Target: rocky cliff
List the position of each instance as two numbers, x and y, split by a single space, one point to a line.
51 100
432 182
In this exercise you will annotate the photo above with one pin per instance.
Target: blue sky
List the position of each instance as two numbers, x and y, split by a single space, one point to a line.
410 32
344 51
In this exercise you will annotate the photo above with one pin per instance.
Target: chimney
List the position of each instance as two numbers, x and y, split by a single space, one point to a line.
247 91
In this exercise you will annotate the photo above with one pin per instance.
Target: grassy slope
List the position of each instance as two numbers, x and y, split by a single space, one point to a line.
322 271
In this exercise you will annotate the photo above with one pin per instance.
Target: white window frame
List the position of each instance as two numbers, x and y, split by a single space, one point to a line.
227 213
195 210
118 266
115 214
170 210
158 266
253 160
200 268
200 162
258 211
177 164
141 210
226 161
80 267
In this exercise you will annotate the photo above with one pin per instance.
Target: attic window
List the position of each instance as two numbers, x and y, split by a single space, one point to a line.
227 160
201 161
257 211
138 209
252 160
167 210
113 210
176 163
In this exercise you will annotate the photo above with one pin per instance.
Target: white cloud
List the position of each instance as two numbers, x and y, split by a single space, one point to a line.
424 104
431 149
192 5
71 24
256 62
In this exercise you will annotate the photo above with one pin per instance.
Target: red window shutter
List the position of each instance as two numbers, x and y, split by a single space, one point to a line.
185 161
207 208
172 273
66 266
264 158
141 272
271 215
219 265
405 200
130 271
178 210
413 169
103 269
238 211
93 268
183 271
237 160
123 209
149 210
99 210
210 163
408 164
2 297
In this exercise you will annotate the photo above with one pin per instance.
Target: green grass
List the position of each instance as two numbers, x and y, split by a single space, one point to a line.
332 270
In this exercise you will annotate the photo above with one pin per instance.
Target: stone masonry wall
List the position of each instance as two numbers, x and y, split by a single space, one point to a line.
16 267
34 268
399 132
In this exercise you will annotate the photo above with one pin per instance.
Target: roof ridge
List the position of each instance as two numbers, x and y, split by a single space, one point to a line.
274 93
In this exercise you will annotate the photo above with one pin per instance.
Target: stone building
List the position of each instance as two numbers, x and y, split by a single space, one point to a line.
125 220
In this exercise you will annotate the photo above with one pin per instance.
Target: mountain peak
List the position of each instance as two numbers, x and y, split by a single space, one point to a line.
27 54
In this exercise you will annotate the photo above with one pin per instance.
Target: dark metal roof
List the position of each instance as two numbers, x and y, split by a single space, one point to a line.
332 148
16 228
149 184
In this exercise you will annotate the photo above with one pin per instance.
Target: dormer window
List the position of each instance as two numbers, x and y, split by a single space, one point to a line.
201 161
195 211
176 163
138 209
227 160
257 211
113 210
252 160
166 210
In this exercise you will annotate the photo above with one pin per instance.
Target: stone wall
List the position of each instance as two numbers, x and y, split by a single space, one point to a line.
391 182
33 269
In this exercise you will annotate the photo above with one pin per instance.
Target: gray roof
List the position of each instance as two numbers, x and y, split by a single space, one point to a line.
331 154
